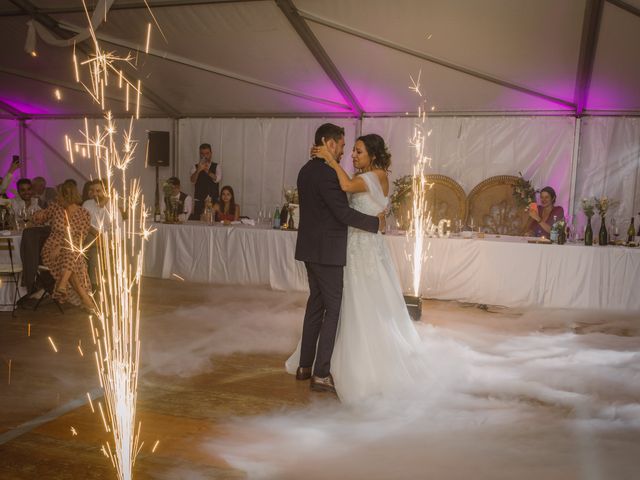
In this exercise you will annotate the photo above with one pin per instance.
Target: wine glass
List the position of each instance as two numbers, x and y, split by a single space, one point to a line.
615 229
472 224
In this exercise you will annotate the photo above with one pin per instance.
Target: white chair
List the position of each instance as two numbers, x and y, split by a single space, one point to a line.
10 269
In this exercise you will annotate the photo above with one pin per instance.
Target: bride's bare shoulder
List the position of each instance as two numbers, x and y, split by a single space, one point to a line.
383 178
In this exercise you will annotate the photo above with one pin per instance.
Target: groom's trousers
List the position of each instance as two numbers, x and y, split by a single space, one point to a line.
321 316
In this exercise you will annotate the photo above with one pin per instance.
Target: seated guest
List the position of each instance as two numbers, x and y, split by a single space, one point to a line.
87 190
542 217
25 201
67 218
227 210
45 195
99 221
183 201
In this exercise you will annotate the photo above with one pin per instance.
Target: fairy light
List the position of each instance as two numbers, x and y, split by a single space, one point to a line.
53 345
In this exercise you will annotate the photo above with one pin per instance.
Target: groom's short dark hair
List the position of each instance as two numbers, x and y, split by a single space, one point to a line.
327 131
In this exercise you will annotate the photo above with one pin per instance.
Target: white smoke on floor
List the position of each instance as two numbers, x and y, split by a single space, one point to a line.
184 341
510 395
536 394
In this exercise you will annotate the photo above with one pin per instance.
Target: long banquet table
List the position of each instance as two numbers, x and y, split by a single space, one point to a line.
505 271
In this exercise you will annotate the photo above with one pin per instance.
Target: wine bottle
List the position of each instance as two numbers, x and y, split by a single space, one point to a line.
283 215
631 232
156 214
276 218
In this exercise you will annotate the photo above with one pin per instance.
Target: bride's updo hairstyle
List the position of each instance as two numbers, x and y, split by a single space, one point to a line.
377 151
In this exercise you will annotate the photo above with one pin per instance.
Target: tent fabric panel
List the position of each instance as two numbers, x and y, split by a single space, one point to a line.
250 39
196 92
383 86
534 43
616 71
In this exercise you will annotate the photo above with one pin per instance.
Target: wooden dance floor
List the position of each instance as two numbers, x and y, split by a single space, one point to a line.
190 402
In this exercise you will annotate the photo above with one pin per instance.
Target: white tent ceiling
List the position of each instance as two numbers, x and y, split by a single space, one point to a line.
338 57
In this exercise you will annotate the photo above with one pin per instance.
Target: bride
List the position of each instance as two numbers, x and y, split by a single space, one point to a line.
376 349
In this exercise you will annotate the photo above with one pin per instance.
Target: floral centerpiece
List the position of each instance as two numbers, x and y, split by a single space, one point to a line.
588 207
602 205
524 194
170 204
291 209
559 232
402 188
291 195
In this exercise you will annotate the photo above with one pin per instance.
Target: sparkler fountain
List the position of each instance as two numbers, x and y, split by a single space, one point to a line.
420 221
116 327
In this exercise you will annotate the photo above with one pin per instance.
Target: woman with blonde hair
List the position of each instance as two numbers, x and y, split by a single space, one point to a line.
69 224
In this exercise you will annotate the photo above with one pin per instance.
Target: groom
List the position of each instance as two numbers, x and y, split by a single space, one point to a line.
322 246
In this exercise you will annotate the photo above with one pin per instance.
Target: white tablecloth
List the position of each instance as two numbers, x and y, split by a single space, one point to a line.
501 271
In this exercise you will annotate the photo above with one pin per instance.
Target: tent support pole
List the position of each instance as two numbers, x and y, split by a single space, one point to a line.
574 167
22 139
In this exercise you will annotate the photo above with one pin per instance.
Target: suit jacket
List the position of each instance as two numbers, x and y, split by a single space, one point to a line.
325 215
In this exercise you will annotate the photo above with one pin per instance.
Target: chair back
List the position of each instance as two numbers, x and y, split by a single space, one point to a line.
491 206
445 198
9 258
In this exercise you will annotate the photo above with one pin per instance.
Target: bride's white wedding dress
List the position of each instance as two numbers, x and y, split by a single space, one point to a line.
377 347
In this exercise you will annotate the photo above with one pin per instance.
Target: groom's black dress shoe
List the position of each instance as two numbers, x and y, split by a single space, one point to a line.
303 373
323 384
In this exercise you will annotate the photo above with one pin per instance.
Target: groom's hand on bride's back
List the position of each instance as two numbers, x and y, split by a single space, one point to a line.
382 225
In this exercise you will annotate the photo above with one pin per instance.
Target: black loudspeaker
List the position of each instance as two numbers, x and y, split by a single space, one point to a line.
158 149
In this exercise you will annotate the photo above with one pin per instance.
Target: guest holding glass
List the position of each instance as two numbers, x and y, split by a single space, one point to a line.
545 215
69 222
205 176
227 210
25 202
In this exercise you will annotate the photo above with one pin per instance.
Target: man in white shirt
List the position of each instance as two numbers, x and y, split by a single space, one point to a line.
206 177
25 201
100 221
183 201
43 194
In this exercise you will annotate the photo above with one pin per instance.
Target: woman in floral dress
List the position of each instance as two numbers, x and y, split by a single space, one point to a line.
69 226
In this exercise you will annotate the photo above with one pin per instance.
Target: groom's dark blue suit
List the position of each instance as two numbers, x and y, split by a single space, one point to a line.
322 246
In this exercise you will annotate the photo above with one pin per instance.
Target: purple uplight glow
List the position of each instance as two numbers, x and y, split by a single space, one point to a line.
26 108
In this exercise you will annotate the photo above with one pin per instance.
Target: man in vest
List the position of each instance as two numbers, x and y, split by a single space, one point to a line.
183 201
206 176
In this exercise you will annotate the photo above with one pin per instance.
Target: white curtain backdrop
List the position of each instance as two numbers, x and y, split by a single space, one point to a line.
609 164
471 149
42 159
258 156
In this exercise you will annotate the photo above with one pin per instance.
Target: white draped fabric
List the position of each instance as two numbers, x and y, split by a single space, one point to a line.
260 156
502 271
609 164
471 149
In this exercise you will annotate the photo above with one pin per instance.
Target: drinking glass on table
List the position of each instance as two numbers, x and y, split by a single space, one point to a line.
615 230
